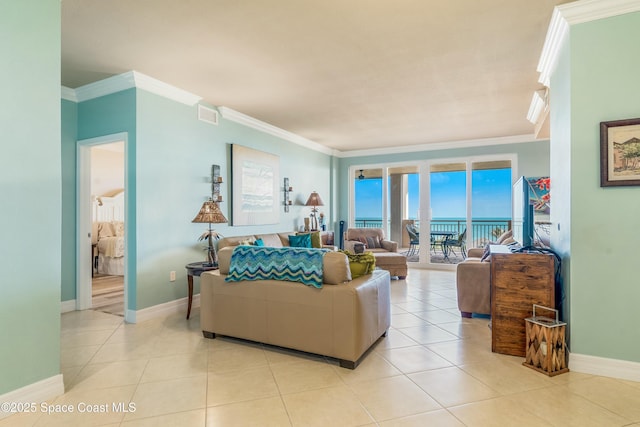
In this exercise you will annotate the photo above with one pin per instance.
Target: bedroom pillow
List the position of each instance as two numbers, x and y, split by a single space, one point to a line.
118 228
300 241
105 230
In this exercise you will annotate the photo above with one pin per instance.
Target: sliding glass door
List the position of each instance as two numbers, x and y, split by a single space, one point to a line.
451 205
490 201
469 205
447 231
368 197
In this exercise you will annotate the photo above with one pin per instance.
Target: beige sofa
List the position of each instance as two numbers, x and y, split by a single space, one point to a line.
340 320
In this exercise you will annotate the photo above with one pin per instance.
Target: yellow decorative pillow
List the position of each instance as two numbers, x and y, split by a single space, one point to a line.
361 264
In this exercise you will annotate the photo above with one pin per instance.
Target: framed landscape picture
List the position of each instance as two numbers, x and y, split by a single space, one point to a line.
254 186
620 153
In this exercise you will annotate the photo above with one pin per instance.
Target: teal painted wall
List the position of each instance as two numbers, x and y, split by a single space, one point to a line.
533 160
175 152
30 184
98 117
170 154
604 63
68 152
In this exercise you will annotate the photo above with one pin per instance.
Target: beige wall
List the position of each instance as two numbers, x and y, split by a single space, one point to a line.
107 168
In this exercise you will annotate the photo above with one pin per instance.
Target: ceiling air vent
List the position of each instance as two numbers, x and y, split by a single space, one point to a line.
207 114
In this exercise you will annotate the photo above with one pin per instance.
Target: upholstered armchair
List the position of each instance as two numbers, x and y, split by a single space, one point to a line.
373 239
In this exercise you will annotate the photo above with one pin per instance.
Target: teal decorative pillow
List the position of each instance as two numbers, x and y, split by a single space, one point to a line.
258 242
300 241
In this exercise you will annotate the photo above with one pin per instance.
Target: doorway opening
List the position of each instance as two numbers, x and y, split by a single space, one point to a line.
102 226
107 234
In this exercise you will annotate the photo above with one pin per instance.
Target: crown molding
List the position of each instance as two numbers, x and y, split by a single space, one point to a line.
133 79
129 80
243 119
538 105
435 146
158 87
576 13
68 94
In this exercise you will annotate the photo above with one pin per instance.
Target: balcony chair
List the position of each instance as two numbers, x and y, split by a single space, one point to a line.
459 242
414 239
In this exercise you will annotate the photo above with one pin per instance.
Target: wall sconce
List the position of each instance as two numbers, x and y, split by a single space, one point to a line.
216 183
287 194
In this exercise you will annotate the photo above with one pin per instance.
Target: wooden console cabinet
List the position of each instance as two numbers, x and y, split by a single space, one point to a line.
518 280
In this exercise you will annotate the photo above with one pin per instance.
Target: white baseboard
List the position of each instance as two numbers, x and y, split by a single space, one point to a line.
165 309
67 306
35 393
605 367
133 316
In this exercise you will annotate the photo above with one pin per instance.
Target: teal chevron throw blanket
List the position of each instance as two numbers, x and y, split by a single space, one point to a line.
263 263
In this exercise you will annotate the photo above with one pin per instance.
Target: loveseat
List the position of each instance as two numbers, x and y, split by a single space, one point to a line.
473 283
385 251
342 319
473 278
373 239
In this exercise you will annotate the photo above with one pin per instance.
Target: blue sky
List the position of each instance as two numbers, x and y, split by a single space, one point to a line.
491 197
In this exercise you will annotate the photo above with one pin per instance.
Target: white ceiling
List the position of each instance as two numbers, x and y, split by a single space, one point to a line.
347 74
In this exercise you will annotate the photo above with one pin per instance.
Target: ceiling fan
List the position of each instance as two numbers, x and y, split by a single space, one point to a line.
361 176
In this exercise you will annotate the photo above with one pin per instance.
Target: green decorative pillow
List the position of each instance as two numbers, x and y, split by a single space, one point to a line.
300 241
361 264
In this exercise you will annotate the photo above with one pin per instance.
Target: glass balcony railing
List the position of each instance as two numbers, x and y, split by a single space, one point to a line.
482 230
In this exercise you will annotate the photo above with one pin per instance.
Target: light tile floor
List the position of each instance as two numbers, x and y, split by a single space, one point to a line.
433 368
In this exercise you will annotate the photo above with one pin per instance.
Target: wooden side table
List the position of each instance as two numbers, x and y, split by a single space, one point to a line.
195 269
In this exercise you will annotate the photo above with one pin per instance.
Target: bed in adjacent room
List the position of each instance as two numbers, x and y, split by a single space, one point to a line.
108 234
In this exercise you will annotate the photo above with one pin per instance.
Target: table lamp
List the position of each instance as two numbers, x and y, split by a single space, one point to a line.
210 213
314 201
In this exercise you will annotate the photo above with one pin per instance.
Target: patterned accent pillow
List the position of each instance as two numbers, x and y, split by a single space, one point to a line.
373 242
